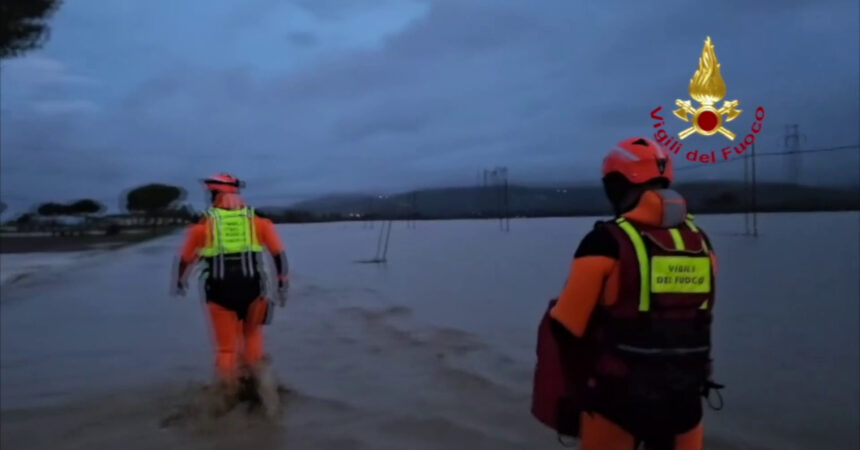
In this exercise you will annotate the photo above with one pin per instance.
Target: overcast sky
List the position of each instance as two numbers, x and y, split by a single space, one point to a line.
307 97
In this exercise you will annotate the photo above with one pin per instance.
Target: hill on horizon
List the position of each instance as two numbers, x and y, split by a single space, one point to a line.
522 200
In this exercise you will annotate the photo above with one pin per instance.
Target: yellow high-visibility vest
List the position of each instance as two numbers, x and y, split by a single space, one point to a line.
230 231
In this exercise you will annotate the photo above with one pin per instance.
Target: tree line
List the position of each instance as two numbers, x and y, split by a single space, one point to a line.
148 205
82 207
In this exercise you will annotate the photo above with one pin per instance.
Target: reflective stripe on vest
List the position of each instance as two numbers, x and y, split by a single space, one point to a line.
677 239
230 232
684 267
642 258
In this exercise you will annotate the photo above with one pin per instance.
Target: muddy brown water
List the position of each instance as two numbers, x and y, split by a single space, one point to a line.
433 350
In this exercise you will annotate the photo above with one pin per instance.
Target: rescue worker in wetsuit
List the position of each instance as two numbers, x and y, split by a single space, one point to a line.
230 239
639 298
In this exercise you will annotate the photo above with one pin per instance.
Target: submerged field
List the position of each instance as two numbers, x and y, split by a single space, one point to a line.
433 350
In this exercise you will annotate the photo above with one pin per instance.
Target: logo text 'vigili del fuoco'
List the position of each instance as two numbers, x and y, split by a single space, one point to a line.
707 88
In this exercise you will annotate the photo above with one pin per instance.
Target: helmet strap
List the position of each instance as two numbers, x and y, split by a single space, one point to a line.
620 192
630 199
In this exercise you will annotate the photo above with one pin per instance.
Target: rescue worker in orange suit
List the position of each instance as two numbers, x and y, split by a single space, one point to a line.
637 307
230 240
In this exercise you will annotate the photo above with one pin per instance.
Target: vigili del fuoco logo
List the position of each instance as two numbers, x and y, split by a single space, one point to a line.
707 88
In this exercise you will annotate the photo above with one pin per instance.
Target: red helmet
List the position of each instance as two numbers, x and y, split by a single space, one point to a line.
639 160
223 182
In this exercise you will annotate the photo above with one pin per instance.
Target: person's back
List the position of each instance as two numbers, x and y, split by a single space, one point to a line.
638 304
230 240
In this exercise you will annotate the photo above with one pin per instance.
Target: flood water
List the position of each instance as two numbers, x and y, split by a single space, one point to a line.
432 350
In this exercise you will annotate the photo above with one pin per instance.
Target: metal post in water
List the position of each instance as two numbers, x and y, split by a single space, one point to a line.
387 237
379 243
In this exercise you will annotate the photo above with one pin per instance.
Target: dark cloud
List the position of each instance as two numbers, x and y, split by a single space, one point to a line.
544 89
467 29
387 121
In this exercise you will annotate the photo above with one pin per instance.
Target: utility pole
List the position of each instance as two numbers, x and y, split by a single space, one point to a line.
754 199
792 144
368 215
506 196
498 172
497 192
747 194
485 195
381 244
499 180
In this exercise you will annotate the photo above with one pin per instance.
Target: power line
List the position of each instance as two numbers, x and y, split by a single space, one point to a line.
817 150
786 152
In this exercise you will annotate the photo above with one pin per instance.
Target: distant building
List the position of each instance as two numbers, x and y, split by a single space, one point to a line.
120 219
57 221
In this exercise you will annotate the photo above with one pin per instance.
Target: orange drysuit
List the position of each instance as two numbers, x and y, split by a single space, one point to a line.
594 281
237 309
